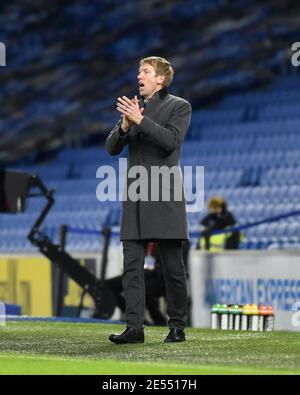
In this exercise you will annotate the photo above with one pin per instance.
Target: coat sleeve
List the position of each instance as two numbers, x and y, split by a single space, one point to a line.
115 141
170 137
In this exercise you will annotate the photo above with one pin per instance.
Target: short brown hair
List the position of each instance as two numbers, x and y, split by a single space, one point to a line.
161 67
217 201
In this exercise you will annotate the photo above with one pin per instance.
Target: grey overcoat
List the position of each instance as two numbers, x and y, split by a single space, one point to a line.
155 142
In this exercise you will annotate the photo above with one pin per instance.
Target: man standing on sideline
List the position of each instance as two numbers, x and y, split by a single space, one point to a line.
154 131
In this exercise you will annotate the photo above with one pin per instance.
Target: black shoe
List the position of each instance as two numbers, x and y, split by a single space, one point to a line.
175 336
130 335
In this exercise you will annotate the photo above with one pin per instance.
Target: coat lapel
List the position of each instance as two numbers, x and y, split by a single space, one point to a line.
156 98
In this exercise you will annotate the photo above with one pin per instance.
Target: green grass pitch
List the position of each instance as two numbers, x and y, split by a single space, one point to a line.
76 348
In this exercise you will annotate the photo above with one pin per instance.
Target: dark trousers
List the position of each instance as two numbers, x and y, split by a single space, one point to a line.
134 284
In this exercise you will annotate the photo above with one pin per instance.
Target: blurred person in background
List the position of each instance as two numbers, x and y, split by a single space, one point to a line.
218 218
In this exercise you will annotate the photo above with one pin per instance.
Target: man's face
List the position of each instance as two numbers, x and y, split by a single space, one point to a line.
148 81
